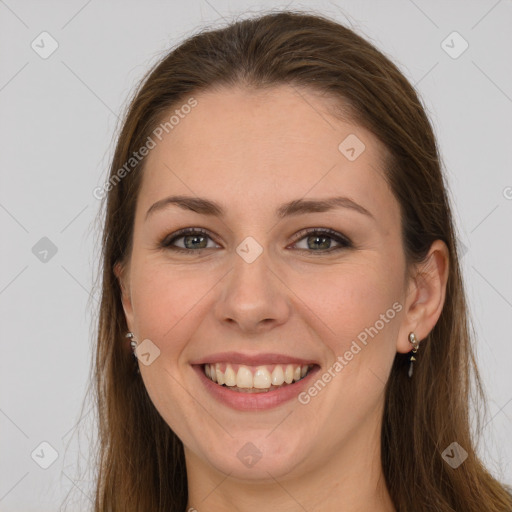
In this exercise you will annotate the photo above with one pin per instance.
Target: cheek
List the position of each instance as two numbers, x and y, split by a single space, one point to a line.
167 306
165 301
351 298
360 305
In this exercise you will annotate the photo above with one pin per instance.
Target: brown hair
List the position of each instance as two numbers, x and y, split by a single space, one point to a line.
140 460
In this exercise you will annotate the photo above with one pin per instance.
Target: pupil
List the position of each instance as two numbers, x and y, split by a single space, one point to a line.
194 238
324 238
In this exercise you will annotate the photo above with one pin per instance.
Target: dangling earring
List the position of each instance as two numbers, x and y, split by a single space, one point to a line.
133 344
416 344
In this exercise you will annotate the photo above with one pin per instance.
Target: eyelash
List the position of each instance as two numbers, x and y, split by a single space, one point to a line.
344 242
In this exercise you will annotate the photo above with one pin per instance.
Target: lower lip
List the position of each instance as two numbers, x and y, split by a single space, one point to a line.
254 401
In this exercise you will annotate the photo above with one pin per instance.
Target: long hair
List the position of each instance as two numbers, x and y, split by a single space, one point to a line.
140 461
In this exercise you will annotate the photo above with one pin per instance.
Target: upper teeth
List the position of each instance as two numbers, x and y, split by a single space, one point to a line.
260 377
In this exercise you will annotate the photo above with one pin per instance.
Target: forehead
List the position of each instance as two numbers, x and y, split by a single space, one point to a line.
250 148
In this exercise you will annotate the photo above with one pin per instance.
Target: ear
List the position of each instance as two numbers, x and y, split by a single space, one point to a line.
425 296
121 272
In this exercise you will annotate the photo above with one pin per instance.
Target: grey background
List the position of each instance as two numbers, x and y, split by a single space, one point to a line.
58 120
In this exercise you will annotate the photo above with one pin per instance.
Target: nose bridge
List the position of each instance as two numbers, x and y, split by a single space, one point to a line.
252 293
250 278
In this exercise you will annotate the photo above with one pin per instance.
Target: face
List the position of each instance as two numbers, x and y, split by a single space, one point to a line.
273 292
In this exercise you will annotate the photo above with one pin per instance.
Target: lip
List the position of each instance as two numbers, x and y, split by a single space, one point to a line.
251 359
255 401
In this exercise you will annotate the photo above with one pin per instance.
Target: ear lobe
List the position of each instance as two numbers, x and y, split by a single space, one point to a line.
426 296
120 273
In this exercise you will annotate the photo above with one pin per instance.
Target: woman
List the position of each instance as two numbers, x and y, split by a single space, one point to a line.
283 322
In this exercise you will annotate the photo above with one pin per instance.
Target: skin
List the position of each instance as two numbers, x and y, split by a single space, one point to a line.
251 151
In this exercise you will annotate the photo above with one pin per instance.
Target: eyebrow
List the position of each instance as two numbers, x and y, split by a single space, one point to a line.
296 207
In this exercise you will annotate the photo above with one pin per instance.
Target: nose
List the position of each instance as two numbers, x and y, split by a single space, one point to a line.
253 297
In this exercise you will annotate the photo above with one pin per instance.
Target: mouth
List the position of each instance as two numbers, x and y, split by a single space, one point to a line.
254 383
242 378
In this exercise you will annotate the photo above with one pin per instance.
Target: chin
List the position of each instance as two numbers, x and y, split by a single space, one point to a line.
256 457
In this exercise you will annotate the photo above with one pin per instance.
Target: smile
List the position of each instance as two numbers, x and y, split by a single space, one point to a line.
255 379
254 382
